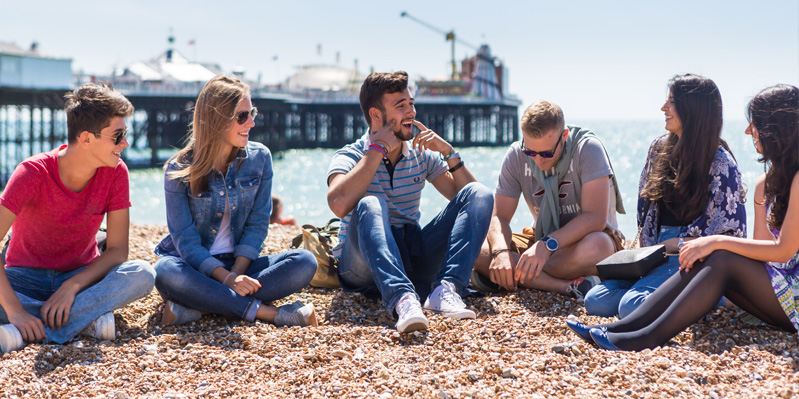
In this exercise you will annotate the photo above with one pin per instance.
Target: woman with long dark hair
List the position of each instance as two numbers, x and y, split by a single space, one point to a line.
218 203
690 187
761 275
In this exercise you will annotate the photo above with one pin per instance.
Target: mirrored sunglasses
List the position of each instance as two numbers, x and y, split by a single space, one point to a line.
243 116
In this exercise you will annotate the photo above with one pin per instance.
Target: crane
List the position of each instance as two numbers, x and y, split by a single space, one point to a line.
448 36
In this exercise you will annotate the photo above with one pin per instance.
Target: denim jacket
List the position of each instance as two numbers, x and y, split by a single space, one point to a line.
193 221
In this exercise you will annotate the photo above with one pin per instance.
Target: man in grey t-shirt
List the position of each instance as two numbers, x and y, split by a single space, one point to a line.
575 221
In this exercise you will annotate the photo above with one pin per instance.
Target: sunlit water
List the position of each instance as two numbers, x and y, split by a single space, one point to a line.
300 175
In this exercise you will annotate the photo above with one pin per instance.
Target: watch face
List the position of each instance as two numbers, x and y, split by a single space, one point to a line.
552 244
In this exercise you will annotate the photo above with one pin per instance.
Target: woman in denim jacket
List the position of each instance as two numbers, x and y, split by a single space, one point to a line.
693 185
218 201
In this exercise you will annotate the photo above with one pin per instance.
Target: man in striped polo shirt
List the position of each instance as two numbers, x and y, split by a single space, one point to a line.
375 184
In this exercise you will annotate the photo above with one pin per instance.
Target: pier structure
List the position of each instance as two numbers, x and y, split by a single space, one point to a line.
33 121
285 122
32 118
317 107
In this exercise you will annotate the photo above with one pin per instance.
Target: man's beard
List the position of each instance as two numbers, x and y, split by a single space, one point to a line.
398 130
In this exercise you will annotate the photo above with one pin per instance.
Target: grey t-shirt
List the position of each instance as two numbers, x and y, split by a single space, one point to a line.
588 163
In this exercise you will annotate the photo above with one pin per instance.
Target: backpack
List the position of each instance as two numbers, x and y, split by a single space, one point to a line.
320 241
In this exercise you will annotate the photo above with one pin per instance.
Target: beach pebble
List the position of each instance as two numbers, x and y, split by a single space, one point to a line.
560 348
510 372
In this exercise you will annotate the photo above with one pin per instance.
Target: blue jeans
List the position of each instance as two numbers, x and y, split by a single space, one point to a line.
621 297
124 284
280 275
370 258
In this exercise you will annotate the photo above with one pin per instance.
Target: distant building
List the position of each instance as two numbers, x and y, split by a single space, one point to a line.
325 78
170 73
30 69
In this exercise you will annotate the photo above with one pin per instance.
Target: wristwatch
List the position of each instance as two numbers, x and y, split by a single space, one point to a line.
550 243
680 243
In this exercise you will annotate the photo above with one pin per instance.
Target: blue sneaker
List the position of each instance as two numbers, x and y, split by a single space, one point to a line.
582 330
600 337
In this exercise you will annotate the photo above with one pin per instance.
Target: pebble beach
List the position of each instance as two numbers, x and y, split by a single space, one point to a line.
517 347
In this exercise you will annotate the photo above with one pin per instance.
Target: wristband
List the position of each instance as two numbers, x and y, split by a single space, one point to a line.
379 148
456 167
496 253
383 145
452 154
224 282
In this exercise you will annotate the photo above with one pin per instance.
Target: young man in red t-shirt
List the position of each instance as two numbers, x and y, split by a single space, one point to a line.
56 283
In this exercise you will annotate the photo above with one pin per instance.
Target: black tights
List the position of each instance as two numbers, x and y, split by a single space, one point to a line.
686 297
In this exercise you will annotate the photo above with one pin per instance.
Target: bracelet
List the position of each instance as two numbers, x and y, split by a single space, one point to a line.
456 167
496 253
224 282
446 158
382 144
379 148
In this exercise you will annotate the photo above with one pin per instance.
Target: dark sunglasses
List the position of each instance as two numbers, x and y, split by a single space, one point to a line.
241 117
117 137
543 154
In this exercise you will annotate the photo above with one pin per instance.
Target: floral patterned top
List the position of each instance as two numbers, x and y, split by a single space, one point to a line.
785 282
791 263
725 213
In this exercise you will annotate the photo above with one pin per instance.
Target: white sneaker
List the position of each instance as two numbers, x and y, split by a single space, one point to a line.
410 316
579 287
103 328
179 314
296 314
10 338
445 301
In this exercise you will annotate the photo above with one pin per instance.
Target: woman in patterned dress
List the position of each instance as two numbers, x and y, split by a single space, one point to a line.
761 276
692 185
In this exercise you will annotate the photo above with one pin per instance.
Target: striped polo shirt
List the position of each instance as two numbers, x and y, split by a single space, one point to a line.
402 194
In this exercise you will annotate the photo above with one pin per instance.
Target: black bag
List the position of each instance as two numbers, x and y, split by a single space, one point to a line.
632 263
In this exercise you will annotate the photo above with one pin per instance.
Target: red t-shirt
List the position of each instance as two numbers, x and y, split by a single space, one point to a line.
55 227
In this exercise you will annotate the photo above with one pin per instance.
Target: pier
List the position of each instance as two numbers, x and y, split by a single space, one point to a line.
33 121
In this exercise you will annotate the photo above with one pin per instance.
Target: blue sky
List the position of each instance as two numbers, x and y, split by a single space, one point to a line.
598 60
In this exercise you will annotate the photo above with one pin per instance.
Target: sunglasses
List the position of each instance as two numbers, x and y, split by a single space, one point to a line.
243 116
543 154
117 137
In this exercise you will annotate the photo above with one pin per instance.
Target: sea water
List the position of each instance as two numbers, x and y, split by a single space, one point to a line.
300 176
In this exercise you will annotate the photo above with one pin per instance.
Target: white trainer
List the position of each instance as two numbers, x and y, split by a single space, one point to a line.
178 314
410 316
296 314
10 338
103 328
445 301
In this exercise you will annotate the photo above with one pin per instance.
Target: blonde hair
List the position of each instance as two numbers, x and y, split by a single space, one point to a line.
214 112
541 118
